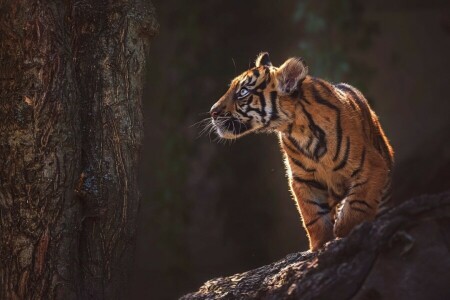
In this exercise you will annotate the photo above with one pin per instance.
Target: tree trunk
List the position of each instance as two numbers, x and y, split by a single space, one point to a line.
404 254
71 76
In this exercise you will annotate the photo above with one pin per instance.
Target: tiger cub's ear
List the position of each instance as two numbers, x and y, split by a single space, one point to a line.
263 60
290 74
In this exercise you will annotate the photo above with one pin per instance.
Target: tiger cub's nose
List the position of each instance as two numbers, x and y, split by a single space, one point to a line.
214 115
216 111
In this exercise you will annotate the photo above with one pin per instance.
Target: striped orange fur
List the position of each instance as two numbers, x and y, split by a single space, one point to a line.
337 156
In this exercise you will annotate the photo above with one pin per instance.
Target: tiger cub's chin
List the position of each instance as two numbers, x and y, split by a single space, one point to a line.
232 129
225 134
230 135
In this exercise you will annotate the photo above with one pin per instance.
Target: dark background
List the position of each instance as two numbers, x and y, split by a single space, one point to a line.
210 209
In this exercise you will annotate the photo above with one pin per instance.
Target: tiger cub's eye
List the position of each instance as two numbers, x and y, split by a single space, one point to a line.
243 92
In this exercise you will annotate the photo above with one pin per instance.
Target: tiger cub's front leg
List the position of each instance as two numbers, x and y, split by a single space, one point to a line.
311 199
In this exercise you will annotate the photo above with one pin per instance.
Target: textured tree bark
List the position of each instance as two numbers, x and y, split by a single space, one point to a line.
404 254
71 75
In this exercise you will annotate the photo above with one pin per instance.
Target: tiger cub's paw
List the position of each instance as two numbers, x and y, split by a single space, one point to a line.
341 229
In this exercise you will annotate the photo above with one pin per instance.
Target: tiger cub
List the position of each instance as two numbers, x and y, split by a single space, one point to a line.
337 156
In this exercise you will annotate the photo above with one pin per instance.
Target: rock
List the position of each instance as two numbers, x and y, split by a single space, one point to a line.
403 254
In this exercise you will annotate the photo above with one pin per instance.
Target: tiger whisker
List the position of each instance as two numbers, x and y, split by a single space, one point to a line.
199 123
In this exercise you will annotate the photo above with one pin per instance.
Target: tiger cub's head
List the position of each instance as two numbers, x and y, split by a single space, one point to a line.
252 103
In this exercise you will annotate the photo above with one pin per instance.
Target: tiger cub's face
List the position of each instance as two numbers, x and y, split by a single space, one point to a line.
252 103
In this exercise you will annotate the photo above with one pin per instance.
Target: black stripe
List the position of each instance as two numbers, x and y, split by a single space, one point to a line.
374 132
351 90
313 221
359 209
286 144
320 150
262 99
261 86
319 99
360 102
250 100
295 94
249 85
268 77
360 202
337 196
297 146
359 184
250 82
310 182
320 215
341 86
290 128
323 206
361 164
386 197
244 113
308 144
352 104
273 100
284 112
345 158
301 96
301 165
249 109
318 132
295 143
350 194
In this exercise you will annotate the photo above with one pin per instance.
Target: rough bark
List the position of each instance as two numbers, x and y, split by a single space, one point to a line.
404 254
70 133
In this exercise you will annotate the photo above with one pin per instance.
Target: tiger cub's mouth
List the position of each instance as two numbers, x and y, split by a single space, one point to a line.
230 127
